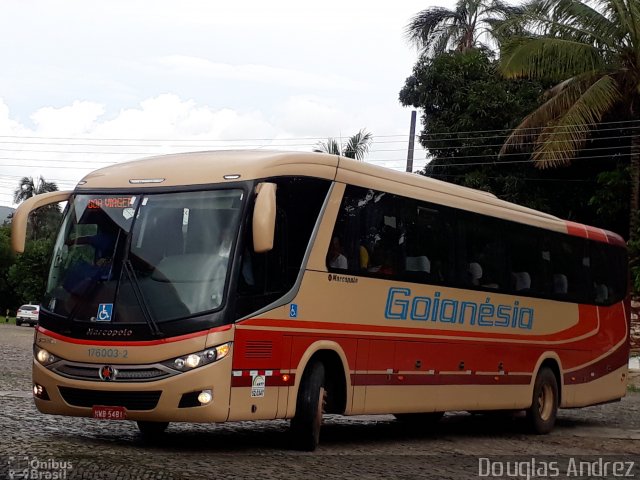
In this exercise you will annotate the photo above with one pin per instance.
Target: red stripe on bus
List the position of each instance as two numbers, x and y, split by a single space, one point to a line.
615 239
576 229
139 343
597 234
271 381
618 358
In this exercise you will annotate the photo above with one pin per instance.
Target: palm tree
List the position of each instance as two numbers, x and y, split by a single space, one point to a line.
356 147
27 188
591 50
437 29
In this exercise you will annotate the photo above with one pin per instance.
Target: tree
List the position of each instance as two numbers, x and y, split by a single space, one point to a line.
591 51
7 296
356 147
44 220
468 109
437 29
27 276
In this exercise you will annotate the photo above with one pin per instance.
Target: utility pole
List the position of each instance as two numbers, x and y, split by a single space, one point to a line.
412 138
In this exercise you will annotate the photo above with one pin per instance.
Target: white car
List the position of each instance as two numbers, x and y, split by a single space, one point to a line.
28 314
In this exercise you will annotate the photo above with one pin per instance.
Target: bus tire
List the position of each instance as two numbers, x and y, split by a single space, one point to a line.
152 430
544 404
305 425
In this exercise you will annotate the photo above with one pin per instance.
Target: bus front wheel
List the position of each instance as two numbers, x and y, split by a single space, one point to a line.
544 406
305 425
151 430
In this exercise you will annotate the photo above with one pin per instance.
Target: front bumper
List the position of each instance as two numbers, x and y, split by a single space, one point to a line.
75 397
30 321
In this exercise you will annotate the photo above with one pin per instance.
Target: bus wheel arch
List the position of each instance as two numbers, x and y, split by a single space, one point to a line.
336 373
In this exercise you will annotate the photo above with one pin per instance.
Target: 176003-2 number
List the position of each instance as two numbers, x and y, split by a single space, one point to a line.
108 353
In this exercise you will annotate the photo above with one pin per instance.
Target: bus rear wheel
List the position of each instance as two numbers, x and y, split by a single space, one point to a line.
544 406
305 425
152 430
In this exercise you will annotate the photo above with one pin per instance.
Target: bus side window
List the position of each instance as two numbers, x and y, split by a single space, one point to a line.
429 241
607 282
481 245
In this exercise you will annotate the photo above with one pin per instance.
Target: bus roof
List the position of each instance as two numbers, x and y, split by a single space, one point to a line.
224 166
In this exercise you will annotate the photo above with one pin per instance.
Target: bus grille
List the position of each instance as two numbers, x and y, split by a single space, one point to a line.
130 400
145 373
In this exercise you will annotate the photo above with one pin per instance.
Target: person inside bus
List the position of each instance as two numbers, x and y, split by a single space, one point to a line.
96 262
474 273
335 258
521 281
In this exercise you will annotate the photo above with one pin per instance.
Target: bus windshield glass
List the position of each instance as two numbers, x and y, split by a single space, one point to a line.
149 258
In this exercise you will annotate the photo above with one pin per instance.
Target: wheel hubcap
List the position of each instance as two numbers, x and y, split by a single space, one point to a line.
545 402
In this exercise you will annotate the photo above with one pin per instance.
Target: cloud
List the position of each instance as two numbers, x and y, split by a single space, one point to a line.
190 66
168 117
76 119
66 143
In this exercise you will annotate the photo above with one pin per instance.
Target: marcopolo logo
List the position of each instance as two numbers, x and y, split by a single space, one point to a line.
401 305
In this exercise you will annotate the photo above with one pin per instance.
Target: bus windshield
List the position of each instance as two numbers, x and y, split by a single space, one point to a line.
149 258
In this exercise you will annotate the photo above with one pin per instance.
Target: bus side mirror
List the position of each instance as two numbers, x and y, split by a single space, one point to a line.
21 215
264 217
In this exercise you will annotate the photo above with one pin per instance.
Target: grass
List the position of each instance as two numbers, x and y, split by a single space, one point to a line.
12 320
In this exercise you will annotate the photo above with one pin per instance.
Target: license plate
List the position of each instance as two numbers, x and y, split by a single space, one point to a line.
101 412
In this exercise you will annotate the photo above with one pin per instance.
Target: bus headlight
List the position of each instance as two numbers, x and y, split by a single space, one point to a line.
43 356
192 361
198 359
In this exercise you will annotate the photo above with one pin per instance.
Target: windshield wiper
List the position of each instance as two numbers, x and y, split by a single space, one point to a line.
137 291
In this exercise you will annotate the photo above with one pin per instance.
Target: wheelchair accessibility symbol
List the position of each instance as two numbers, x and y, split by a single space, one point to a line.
293 310
104 312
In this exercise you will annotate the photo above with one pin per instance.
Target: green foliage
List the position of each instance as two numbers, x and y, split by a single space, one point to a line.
27 276
44 221
356 146
437 30
593 54
460 93
634 259
614 185
7 295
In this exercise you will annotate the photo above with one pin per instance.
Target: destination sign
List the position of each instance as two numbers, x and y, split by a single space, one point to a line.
110 202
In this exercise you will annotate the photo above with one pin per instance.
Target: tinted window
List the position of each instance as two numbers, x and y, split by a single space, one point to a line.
383 235
482 253
265 277
608 273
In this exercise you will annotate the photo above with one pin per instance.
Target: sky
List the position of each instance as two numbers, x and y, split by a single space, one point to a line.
89 83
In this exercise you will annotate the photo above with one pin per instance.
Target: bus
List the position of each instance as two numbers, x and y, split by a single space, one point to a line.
251 285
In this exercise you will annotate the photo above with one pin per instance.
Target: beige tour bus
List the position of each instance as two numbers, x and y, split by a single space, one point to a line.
247 285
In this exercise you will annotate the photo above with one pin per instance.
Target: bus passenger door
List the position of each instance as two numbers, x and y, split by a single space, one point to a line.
283 389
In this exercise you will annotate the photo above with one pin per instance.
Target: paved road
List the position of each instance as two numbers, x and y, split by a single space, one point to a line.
356 447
